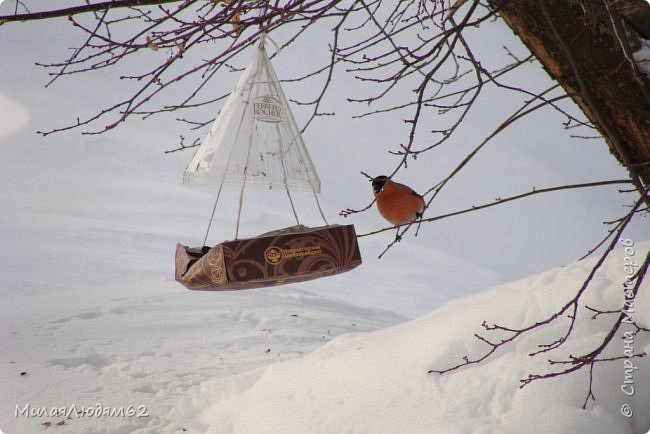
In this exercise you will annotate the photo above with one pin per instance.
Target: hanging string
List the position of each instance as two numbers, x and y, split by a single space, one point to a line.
223 177
264 10
243 185
293 208
243 180
241 200
261 46
320 210
250 143
225 171
250 138
263 32
284 176
302 162
281 150
214 208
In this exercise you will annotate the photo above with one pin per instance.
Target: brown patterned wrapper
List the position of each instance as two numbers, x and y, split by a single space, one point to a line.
288 255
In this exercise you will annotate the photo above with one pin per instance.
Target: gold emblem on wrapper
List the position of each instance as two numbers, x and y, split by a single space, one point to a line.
273 255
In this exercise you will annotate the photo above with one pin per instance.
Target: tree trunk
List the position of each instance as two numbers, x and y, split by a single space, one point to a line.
585 46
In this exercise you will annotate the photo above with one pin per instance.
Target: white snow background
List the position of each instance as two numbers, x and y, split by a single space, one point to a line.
91 315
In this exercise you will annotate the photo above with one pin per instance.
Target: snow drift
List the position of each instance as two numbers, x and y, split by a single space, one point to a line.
378 382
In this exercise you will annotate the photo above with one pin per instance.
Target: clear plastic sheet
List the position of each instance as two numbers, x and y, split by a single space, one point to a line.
254 139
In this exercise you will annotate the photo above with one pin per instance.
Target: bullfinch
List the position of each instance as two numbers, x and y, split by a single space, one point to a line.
396 202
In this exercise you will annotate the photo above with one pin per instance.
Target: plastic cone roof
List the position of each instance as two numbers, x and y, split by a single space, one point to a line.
254 138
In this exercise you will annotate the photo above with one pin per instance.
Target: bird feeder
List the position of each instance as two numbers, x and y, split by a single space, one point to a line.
254 141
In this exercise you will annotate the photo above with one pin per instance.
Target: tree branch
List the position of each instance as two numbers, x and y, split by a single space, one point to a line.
575 362
75 10
498 201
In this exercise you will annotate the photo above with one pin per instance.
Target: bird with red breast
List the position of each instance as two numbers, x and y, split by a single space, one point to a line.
397 203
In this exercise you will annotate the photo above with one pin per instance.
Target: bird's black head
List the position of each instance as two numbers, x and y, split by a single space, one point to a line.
378 183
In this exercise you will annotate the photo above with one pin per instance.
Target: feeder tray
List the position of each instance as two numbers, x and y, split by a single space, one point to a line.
289 255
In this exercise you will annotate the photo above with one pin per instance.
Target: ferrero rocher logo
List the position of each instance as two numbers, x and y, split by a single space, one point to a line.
273 255
267 109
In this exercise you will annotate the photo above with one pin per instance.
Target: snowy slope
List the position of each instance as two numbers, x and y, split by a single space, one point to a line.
282 360
378 382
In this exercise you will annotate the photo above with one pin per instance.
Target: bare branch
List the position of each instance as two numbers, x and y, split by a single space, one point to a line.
575 362
83 9
500 201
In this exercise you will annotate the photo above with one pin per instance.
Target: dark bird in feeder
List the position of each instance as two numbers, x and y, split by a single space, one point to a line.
397 203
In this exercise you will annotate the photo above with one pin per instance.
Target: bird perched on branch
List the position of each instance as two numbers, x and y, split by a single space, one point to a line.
396 202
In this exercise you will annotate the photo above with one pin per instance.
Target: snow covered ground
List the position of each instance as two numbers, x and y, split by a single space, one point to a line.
284 360
379 382
148 344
